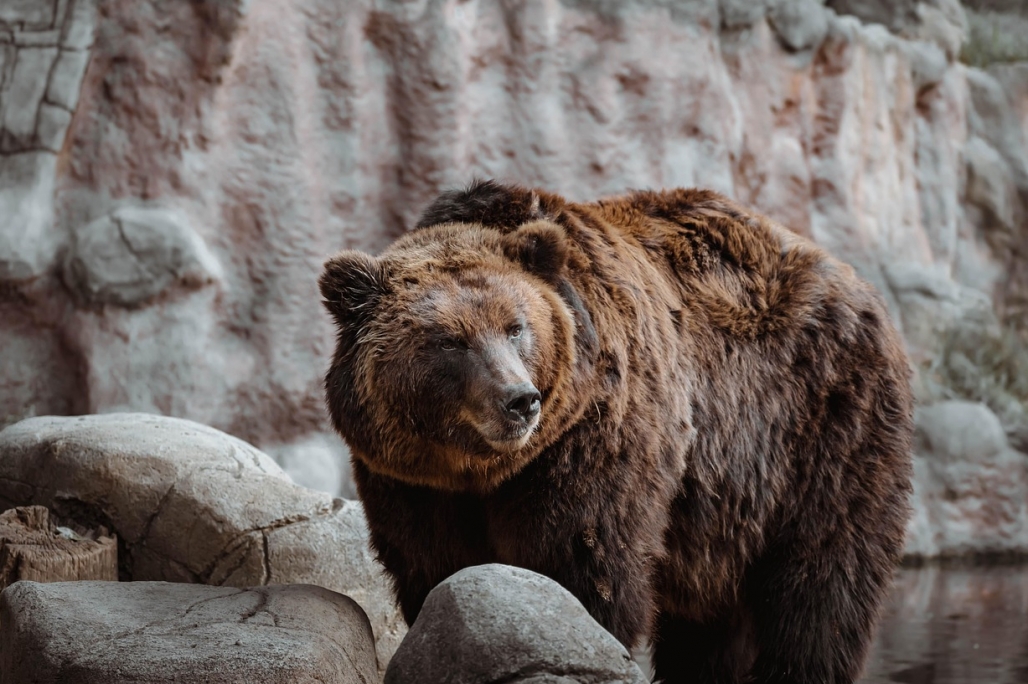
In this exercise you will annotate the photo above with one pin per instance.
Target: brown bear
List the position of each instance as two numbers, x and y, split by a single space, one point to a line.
696 421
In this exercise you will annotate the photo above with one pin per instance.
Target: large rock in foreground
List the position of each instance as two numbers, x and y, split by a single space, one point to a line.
192 504
496 623
102 632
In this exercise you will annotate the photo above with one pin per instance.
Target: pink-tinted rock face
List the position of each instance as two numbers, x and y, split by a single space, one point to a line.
159 248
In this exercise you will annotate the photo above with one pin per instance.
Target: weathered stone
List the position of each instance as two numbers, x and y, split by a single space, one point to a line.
47 38
956 431
28 243
79 25
7 55
929 303
928 63
333 551
1013 81
132 255
53 124
990 183
992 118
741 13
127 465
971 488
66 78
101 632
22 95
801 24
942 22
192 504
28 13
493 623
35 365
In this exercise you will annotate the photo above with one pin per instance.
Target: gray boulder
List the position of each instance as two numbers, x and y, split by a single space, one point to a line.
103 632
496 623
132 255
801 24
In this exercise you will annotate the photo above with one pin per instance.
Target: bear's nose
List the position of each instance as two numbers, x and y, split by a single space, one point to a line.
522 402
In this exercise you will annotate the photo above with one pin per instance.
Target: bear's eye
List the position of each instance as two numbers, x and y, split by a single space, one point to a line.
448 344
515 331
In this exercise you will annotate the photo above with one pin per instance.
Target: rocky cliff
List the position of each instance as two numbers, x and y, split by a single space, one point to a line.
173 174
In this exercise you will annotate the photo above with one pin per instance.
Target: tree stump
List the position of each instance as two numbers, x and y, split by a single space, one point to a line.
33 547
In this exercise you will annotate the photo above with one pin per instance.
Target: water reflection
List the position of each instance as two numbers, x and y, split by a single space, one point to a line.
954 626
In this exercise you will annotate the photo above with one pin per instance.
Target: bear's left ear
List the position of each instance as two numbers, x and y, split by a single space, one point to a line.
351 284
541 249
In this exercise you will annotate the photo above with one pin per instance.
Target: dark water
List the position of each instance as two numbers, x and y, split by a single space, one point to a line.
954 626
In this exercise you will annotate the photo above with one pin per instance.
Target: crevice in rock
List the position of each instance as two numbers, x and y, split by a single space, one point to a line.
163 619
262 601
267 559
37 120
144 535
231 570
239 539
124 238
31 149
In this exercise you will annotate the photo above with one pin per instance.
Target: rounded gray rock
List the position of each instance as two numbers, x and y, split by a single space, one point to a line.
801 24
497 623
133 254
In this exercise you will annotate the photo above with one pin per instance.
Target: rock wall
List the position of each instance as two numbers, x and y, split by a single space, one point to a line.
173 174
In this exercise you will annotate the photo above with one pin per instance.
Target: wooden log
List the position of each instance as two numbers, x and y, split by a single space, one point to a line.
33 547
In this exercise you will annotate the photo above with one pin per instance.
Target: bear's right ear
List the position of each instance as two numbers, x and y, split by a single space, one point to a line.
351 285
540 247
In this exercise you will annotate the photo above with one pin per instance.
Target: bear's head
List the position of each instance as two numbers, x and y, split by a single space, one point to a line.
453 348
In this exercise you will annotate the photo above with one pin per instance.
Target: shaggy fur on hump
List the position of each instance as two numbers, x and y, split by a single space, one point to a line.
723 457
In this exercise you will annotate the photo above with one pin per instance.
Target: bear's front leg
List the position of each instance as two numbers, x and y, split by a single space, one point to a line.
420 535
603 553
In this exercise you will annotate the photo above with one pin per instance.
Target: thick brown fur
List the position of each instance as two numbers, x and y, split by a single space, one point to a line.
721 461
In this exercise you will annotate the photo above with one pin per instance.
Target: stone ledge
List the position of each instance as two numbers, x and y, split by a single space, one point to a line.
99 632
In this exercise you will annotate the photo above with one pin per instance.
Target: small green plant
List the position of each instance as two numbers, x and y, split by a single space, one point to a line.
994 37
990 365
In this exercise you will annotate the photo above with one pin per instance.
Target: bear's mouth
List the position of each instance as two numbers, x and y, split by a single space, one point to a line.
507 435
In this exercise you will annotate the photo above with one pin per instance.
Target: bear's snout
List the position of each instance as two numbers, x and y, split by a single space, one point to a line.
521 402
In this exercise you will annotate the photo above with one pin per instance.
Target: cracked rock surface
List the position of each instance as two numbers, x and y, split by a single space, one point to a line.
44 51
134 254
192 504
497 623
102 632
